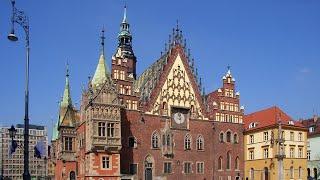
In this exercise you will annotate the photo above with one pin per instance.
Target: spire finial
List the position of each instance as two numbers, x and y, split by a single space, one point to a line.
67 69
177 26
102 40
125 14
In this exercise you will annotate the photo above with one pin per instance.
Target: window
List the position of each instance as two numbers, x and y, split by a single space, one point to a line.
155 140
237 164
251 139
116 74
167 167
101 129
110 130
291 136
200 167
291 172
220 163
128 103
132 142
311 129
265 136
308 155
229 160
200 143
187 167
252 173
128 90
68 144
291 152
106 162
300 137
221 137
300 172
235 138
228 136
251 154
134 105
266 153
222 105
133 169
121 89
122 76
300 152
187 142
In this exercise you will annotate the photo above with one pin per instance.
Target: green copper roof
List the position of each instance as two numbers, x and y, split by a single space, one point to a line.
66 100
101 74
55 132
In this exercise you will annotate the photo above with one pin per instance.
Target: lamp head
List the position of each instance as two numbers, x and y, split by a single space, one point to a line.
12 36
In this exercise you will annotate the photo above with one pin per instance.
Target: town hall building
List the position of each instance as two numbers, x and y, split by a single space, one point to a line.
159 124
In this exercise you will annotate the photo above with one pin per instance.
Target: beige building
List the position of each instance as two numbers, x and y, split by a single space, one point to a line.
13 166
270 155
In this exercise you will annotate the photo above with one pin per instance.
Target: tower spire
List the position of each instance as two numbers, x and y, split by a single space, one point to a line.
66 99
124 36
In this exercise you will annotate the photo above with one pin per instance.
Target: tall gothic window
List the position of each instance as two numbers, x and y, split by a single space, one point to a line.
221 137
228 136
155 140
110 130
68 144
229 160
200 143
220 163
235 138
101 129
237 164
187 142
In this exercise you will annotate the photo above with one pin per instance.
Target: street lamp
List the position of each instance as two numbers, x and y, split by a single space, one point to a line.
12 132
21 19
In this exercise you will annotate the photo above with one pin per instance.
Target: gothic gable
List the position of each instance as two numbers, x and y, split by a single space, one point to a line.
177 87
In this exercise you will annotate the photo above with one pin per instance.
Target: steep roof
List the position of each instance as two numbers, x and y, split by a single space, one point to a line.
101 74
268 117
149 78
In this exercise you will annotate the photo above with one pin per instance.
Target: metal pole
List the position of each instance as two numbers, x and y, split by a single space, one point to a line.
2 169
26 174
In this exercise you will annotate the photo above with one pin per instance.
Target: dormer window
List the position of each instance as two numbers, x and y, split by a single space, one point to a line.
252 125
311 129
291 122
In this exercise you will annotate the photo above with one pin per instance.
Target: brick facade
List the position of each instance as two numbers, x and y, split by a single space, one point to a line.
159 125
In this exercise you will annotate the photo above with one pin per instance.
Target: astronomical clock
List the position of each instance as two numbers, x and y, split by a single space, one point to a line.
179 118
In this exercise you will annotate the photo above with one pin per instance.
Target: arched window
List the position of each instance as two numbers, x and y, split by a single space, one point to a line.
252 174
168 140
187 142
228 160
220 163
300 172
235 138
155 140
132 142
228 136
221 137
237 164
266 173
315 173
200 143
291 172
309 173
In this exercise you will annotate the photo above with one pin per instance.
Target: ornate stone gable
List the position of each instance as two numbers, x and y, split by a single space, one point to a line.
176 87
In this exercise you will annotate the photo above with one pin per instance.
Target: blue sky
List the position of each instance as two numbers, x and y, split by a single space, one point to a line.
272 46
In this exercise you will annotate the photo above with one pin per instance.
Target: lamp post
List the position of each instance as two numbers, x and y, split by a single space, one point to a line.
21 19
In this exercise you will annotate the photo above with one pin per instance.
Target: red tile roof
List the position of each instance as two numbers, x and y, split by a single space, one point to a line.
268 117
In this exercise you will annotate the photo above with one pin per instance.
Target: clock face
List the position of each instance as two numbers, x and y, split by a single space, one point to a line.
179 118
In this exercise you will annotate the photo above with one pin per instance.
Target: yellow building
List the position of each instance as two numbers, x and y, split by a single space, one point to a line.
270 155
